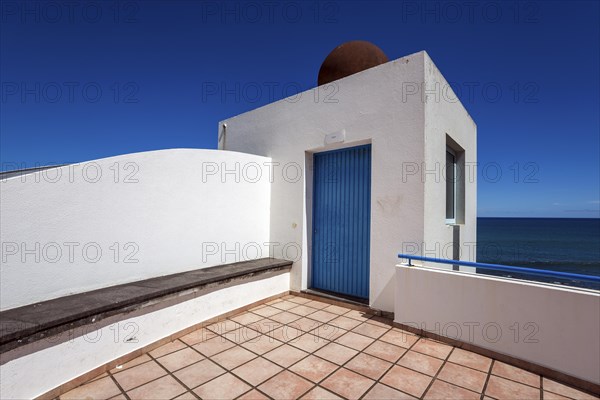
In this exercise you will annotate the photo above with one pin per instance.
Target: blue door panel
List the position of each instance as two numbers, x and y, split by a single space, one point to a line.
341 221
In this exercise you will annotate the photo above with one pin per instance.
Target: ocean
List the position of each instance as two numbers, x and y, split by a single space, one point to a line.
559 244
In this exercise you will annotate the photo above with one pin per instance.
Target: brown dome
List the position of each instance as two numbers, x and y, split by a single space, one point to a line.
350 58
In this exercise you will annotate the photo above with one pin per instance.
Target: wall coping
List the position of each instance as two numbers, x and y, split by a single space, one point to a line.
497 278
23 325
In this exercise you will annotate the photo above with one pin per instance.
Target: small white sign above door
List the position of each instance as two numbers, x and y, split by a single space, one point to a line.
335 137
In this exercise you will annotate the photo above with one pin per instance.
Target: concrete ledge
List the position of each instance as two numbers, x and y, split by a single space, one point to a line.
23 325
51 366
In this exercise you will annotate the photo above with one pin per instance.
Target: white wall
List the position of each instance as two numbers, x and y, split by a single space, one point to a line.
445 115
549 325
53 366
369 106
375 106
171 210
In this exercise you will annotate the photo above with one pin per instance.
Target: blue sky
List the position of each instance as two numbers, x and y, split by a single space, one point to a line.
87 80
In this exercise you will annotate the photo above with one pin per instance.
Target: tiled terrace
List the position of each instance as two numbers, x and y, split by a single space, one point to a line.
295 347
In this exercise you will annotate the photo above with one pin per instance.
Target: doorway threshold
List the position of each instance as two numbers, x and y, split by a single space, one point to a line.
338 297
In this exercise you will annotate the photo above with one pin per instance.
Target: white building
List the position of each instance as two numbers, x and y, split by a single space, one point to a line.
406 111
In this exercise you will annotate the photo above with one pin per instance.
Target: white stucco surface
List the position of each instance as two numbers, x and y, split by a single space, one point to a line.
120 219
53 366
383 106
445 115
552 326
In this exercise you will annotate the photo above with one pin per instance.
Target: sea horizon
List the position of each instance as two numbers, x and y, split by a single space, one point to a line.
540 217
558 244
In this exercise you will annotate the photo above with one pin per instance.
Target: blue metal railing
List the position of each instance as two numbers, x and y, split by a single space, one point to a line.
505 268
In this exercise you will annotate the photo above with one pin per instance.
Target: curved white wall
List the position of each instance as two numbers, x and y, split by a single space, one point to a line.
98 344
120 219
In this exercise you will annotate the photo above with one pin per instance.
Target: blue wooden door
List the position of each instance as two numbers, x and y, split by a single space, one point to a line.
341 221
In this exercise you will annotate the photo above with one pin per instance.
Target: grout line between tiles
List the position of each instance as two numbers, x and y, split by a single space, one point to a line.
123 392
487 378
388 370
172 375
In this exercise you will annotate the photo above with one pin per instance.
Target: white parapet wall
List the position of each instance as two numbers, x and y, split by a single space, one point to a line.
549 325
115 220
57 360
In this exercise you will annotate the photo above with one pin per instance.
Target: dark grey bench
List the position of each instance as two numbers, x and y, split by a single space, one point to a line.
27 324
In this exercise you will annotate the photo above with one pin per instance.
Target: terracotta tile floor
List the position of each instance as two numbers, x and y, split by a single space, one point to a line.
293 347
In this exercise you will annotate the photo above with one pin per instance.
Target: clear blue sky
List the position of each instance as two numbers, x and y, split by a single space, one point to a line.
104 78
